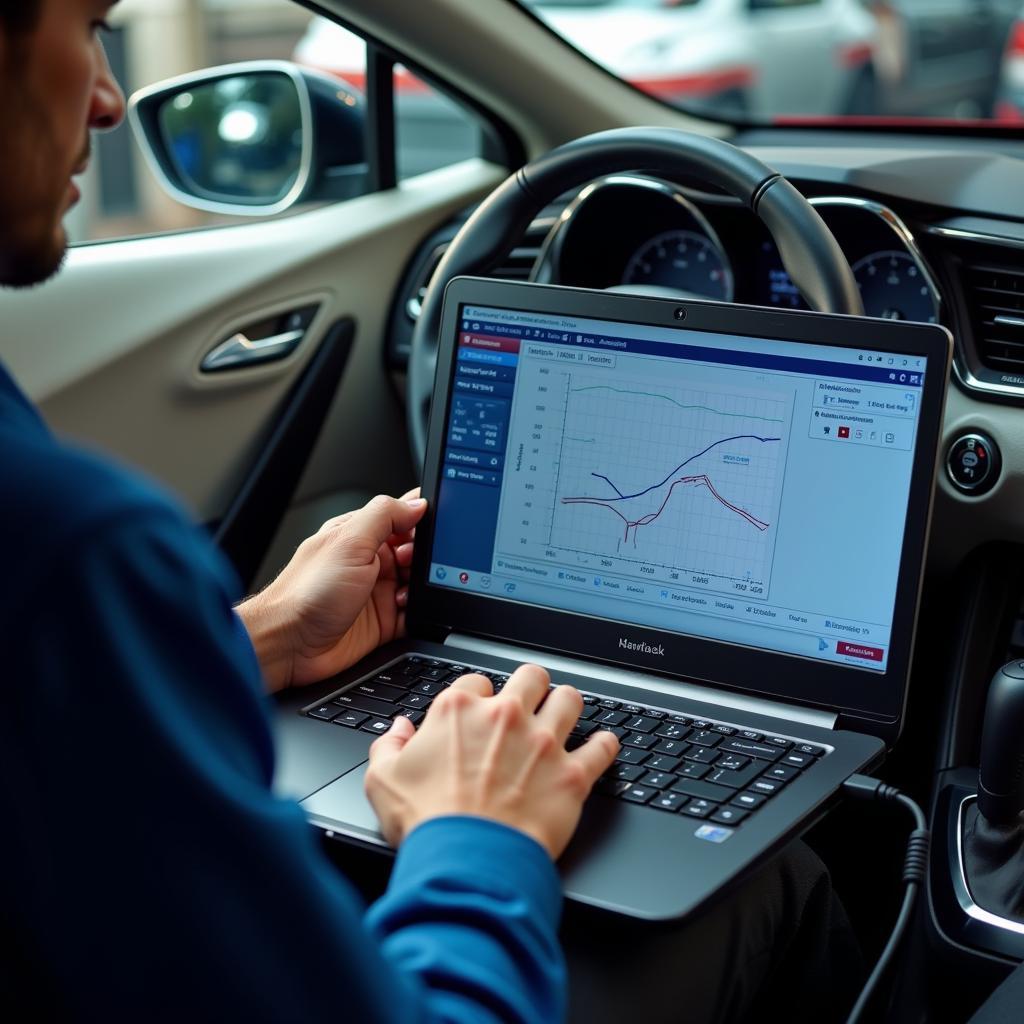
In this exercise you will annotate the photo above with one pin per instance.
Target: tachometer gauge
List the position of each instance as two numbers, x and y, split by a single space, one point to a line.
893 287
684 260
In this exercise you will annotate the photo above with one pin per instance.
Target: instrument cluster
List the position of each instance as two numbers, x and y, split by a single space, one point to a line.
644 235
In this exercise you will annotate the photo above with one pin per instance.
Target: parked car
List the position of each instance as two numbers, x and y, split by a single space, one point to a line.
1009 104
939 58
745 57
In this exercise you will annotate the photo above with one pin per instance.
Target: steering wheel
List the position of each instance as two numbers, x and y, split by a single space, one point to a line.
809 252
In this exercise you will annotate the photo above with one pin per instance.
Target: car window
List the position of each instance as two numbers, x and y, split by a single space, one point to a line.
432 130
808 61
152 42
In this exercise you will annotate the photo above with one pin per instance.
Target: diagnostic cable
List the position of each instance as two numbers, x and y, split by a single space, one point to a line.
915 867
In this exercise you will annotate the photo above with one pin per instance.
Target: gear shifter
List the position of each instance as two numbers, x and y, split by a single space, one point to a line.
1000 796
993 845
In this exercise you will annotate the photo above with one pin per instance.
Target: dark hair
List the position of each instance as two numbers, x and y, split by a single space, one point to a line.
19 15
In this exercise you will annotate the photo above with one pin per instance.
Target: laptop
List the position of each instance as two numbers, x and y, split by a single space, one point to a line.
711 519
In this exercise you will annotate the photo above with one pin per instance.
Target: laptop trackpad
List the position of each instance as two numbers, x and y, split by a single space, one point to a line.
344 804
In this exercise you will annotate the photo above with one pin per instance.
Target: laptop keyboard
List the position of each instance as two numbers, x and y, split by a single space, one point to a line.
673 763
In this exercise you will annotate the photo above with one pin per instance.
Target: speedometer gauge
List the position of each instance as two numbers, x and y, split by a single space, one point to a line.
893 287
684 260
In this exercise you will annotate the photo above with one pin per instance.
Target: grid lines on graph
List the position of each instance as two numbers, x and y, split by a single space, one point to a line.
682 477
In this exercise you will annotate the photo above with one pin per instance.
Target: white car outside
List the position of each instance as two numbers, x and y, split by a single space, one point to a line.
1010 98
759 57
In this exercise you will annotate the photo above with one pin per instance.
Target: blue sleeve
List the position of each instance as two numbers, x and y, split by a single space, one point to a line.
158 875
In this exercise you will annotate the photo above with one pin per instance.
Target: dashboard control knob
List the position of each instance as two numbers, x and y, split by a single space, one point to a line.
973 463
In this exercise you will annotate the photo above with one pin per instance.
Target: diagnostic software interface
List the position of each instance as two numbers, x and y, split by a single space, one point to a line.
738 489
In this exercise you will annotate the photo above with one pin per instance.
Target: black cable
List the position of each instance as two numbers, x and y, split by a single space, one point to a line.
915 868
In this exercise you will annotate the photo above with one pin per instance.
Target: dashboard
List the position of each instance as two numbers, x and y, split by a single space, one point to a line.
635 233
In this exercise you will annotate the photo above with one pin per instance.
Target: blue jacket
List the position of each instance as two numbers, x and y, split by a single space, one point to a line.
146 869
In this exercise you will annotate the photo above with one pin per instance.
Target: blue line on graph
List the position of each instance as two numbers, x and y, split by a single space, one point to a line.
654 487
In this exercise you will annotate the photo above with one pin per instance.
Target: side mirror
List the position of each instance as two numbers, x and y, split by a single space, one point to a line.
253 138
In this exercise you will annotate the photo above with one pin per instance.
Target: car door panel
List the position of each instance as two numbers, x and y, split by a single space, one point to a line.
111 348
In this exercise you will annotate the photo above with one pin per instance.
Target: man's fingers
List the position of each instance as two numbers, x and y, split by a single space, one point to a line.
404 529
385 516
403 555
390 745
597 755
561 710
529 685
474 683
335 521
397 540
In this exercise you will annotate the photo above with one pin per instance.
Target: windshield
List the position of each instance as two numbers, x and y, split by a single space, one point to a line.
806 61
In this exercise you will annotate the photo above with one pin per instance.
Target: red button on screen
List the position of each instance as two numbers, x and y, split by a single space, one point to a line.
471 340
860 651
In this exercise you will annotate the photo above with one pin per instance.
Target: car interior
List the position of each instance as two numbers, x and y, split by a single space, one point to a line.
274 369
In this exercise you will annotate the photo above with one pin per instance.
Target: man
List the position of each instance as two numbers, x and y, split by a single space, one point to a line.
174 883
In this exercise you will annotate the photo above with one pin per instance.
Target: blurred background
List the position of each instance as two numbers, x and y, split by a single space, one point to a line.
840 62
153 40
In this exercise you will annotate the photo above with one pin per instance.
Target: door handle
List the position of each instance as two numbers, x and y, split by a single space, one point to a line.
239 350
265 342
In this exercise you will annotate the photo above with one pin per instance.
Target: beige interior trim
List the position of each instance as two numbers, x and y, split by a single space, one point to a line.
108 349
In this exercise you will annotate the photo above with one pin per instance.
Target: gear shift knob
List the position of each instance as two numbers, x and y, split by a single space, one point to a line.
1001 777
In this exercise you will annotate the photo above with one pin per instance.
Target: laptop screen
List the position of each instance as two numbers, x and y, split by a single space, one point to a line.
718 486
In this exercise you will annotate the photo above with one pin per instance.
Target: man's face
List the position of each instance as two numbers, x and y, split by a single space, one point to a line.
55 85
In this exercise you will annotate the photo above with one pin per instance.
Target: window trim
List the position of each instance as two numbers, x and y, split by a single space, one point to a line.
501 143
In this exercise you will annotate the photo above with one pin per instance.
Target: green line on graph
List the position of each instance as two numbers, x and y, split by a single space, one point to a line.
652 394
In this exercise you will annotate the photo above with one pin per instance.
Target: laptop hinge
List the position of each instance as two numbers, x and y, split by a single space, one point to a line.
641 680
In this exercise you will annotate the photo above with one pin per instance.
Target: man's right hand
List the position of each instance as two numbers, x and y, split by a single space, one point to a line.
496 757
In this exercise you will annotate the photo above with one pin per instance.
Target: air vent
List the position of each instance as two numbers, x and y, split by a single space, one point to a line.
517 266
995 297
519 263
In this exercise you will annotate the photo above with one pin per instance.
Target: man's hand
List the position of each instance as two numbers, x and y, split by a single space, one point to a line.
341 596
492 757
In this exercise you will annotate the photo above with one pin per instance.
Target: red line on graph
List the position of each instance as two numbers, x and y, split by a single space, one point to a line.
646 520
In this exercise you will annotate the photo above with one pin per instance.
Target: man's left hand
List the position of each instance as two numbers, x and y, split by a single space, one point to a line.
342 595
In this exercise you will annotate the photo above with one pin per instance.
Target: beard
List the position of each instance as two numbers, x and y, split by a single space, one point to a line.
31 264
33 187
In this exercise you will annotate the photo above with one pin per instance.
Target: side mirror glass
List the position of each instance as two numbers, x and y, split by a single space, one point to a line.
253 138
239 139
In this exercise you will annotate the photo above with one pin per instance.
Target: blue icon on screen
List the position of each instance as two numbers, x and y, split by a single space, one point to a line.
822 644
441 574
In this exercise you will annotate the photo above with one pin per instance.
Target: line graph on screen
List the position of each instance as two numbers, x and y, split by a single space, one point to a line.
685 478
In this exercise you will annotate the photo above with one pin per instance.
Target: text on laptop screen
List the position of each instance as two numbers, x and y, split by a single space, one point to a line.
732 488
